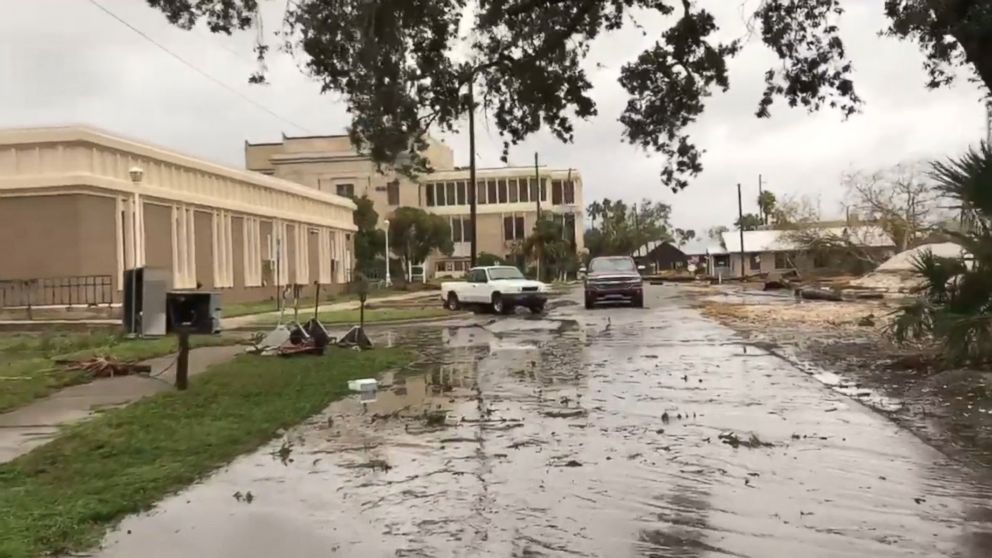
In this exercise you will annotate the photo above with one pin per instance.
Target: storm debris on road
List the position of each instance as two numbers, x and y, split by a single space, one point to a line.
735 441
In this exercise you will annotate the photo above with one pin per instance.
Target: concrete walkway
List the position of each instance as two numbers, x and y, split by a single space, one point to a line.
252 319
28 427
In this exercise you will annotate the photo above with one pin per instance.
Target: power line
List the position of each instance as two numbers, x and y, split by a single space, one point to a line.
203 73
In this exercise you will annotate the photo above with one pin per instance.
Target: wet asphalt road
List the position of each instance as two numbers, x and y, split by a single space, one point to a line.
615 433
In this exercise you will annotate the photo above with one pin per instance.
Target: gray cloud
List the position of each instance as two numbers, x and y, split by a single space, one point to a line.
84 67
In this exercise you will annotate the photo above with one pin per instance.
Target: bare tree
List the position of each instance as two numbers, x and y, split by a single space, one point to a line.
901 200
796 212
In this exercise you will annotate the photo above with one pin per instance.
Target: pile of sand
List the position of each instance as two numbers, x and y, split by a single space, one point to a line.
896 274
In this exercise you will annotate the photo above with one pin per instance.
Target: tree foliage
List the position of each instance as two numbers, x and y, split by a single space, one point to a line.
716 233
414 234
487 259
402 69
621 229
547 244
955 297
766 205
370 241
749 222
682 236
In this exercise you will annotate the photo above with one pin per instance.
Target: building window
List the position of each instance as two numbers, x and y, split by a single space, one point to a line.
346 190
544 189
782 260
461 193
429 189
569 192
513 190
556 192
525 189
491 187
439 197
754 262
513 227
440 267
456 229
449 189
467 226
393 193
480 192
502 191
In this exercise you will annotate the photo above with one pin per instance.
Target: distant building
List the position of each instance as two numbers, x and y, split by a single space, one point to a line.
767 251
73 217
659 255
507 198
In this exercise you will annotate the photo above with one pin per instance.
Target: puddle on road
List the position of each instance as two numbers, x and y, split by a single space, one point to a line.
606 436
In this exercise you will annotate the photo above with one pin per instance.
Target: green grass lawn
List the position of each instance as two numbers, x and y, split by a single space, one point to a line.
28 370
372 315
62 496
265 306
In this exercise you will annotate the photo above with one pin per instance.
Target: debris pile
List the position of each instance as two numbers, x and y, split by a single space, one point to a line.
103 367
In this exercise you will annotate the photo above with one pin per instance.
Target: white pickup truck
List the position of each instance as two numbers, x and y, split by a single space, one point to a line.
500 288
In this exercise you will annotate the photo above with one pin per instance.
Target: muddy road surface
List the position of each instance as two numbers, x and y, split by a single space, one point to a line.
614 432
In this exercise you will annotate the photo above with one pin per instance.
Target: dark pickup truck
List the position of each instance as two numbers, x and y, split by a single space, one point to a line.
614 278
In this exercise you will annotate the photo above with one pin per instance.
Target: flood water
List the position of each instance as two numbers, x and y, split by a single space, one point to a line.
614 432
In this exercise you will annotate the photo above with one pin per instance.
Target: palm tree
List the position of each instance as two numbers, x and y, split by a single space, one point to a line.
546 243
595 211
954 304
766 204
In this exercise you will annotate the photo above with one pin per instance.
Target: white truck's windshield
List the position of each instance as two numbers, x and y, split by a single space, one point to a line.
505 273
612 264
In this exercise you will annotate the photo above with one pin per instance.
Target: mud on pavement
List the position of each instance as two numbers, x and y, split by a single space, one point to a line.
616 432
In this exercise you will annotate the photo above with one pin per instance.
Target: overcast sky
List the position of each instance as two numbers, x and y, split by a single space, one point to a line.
66 61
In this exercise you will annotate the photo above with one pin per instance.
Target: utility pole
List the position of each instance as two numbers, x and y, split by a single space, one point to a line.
537 224
471 171
740 226
537 179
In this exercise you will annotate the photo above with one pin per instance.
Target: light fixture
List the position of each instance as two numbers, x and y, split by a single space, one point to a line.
137 173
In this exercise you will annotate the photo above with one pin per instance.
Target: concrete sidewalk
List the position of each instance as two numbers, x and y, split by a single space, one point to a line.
249 320
23 429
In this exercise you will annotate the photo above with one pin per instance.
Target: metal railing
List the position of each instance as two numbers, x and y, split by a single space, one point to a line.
76 290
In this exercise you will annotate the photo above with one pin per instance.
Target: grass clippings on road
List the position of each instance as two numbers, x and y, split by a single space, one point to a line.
62 496
28 369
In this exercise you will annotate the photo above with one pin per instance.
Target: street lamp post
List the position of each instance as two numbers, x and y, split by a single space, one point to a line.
136 174
389 282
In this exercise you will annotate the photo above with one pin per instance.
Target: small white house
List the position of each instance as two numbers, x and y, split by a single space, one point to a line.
768 251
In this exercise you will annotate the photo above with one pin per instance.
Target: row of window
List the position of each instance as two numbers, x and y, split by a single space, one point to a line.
498 190
784 260
348 190
453 265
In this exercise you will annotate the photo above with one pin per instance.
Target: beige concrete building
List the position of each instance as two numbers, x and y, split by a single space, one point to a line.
80 203
507 197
